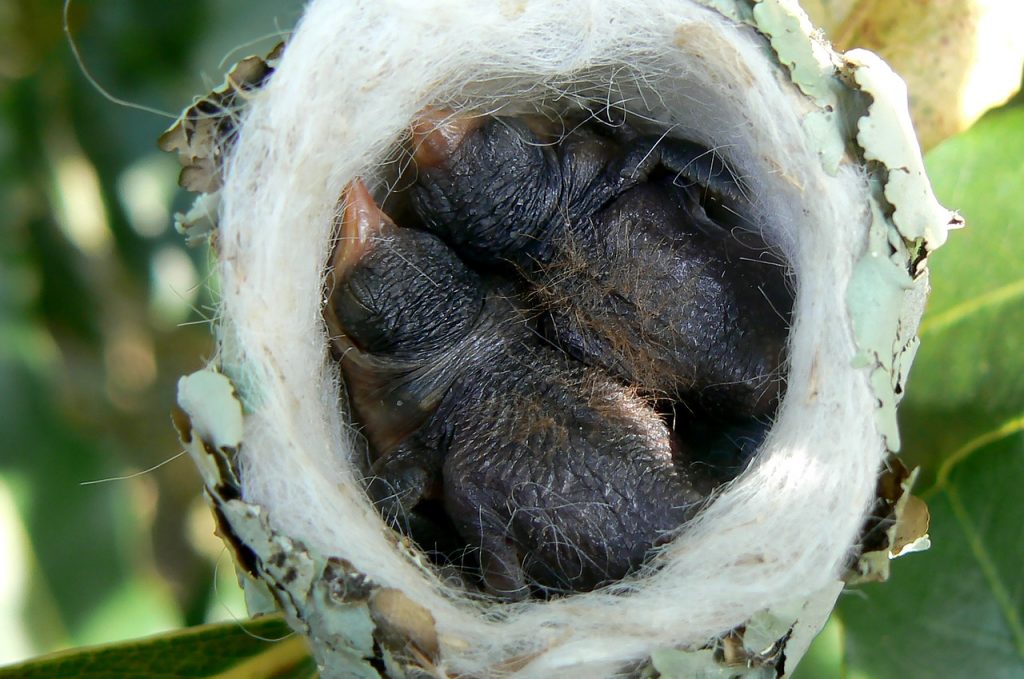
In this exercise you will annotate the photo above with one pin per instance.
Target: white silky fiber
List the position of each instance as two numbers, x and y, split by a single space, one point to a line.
353 78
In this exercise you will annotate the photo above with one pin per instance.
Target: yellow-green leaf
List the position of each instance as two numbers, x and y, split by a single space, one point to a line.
959 57
247 649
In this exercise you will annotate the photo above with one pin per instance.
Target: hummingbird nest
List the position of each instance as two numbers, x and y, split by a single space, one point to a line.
835 183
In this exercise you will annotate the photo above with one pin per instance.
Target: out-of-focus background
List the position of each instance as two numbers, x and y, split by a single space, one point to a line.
102 308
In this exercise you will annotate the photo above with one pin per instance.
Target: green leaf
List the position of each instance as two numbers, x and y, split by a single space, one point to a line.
250 649
956 610
966 379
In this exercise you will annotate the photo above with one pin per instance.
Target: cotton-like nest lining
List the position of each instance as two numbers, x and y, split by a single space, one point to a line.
353 78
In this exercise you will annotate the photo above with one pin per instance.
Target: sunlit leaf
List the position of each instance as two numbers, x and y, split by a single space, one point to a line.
959 57
254 649
829 15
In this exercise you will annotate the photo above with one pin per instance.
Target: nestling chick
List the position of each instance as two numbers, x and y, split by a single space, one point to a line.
634 245
560 476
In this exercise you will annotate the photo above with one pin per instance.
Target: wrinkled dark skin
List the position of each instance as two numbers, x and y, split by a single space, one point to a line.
561 477
508 360
631 246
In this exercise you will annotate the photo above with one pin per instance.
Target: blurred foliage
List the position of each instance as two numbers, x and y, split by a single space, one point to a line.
102 308
260 649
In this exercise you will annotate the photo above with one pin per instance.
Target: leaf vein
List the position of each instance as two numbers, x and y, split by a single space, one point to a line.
1009 428
959 312
988 568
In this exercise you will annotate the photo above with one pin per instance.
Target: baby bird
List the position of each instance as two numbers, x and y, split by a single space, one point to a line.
634 246
561 477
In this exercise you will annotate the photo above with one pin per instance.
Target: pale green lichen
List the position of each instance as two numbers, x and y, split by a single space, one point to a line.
740 12
875 298
301 583
808 59
887 136
812 68
304 586
215 423
823 127
887 291
210 400
200 222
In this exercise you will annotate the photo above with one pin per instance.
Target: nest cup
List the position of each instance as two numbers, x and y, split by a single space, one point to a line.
353 79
